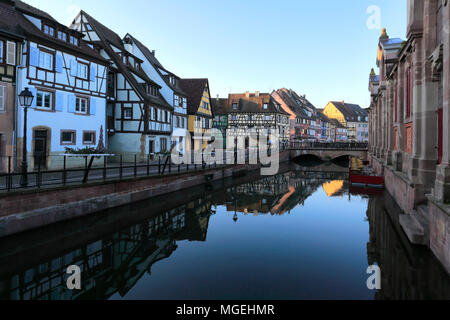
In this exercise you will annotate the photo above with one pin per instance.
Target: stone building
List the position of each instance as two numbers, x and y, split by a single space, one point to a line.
409 123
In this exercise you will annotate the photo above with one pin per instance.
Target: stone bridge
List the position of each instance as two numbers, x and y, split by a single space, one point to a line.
328 151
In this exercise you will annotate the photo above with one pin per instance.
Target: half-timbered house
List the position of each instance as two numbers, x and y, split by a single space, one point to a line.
68 81
257 111
10 44
140 119
170 88
199 111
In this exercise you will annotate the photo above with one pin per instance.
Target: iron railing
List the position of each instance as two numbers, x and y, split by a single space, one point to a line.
329 145
80 170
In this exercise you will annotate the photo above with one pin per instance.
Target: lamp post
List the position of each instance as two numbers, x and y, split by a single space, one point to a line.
25 99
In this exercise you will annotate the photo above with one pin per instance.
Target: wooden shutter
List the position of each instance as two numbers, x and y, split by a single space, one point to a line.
34 57
59 63
59 101
93 73
73 68
11 53
93 106
71 103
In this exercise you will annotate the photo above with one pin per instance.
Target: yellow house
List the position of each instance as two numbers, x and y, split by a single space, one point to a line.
199 110
351 116
333 110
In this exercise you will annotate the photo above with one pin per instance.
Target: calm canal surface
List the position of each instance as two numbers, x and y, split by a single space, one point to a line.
297 235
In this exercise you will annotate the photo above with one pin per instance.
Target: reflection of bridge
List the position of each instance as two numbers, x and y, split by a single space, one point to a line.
328 151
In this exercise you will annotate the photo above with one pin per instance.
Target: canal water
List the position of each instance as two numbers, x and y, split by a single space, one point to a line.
302 234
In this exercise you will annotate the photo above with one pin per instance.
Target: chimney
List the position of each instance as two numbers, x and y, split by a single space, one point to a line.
247 94
153 52
217 98
257 94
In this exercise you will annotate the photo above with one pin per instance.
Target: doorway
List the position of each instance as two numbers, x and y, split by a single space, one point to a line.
40 148
151 148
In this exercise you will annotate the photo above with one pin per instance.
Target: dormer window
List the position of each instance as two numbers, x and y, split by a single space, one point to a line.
152 90
172 81
265 106
49 30
74 41
235 106
62 36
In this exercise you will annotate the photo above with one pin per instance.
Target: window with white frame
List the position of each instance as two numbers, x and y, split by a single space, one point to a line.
44 100
45 60
68 137
82 70
89 137
177 101
81 105
2 98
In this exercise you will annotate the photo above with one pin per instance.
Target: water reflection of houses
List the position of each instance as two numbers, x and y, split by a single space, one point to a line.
115 263
275 194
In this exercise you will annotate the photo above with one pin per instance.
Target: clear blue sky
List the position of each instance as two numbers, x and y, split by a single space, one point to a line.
323 49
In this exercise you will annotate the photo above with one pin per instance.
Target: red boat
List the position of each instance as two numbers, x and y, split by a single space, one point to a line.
361 175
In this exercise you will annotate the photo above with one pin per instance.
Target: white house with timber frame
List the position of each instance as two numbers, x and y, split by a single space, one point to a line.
139 117
68 81
170 88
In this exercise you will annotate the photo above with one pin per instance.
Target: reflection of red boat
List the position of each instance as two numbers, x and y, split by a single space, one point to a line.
361 175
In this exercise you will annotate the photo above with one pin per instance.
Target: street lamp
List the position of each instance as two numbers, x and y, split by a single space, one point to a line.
25 100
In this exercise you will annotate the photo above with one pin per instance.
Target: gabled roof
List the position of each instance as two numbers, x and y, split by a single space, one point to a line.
13 21
26 8
157 65
351 111
194 89
108 38
252 103
294 102
219 106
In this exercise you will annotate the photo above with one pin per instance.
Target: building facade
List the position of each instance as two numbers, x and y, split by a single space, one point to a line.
199 111
220 120
304 122
256 111
140 118
354 118
10 48
170 89
409 123
67 79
